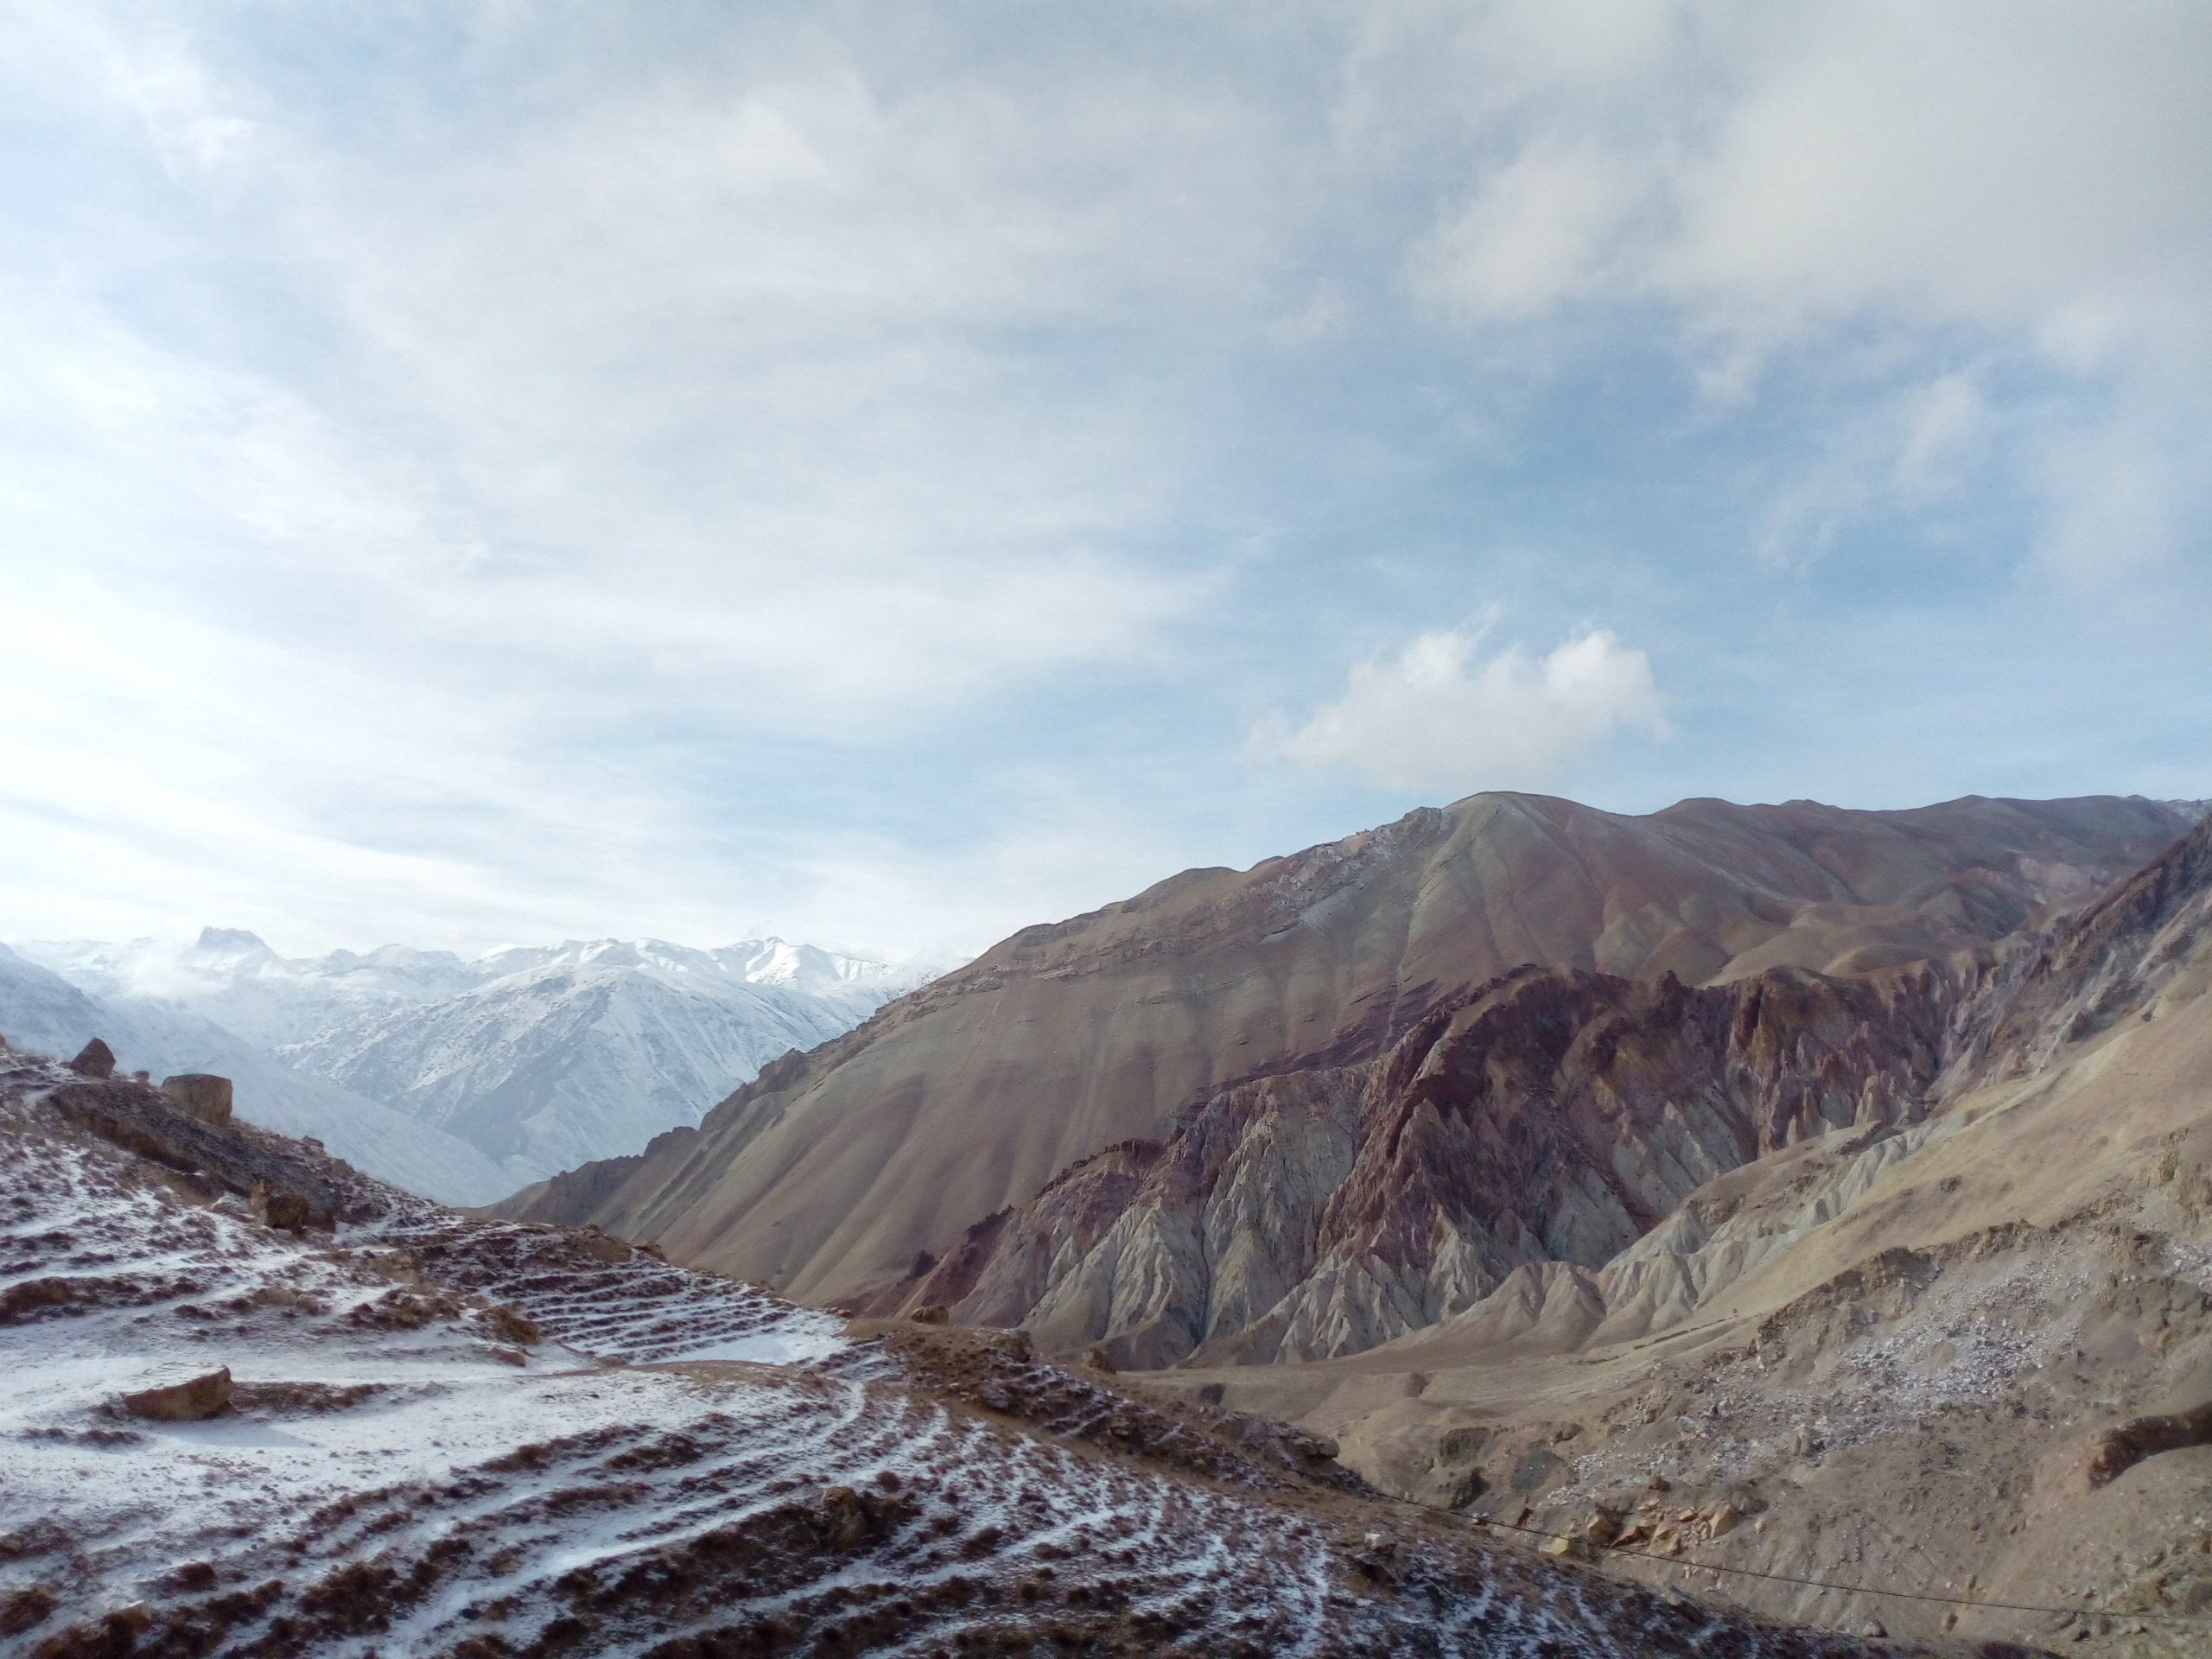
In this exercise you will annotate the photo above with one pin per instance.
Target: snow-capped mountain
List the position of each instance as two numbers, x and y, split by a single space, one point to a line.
231 976
44 1013
536 1057
580 1046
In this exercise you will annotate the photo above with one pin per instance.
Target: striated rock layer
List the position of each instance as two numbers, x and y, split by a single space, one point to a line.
1552 1118
830 1171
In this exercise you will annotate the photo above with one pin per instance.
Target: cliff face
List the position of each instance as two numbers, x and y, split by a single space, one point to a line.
833 1170
1552 1117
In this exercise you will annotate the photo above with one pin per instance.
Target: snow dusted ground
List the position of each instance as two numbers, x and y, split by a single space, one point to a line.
679 1464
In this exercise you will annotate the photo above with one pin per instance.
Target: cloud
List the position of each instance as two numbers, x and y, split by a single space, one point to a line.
1438 715
1906 456
1859 194
1532 237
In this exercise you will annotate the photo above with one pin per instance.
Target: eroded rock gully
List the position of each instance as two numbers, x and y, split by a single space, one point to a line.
1552 1117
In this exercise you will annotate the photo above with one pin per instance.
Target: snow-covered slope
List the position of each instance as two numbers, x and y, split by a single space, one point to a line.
42 1011
590 1046
538 1058
232 977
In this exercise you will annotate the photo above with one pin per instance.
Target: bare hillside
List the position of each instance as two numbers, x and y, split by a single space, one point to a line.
832 1171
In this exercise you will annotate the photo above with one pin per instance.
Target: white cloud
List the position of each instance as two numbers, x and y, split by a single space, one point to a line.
2030 181
1908 455
1534 235
2119 501
1440 715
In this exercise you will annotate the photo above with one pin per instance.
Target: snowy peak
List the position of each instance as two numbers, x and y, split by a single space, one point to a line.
536 1058
230 945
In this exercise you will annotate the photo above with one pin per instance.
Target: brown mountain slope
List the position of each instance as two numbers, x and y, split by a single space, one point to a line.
1971 1356
829 1173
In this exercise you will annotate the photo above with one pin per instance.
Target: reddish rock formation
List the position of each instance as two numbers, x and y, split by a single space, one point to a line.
1552 1117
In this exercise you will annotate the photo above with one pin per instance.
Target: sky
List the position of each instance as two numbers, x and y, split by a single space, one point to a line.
487 470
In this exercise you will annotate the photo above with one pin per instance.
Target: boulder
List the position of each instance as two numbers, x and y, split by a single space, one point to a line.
184 1399
206 1096
281 1208
95 1059
600 1246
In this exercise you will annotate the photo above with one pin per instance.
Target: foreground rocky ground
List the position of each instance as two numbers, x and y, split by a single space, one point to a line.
361 1424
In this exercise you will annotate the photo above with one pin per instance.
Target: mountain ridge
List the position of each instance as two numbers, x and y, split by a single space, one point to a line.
828 1175
534 1057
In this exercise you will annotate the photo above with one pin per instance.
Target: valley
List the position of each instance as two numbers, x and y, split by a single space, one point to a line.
380 1428
1813 1236
1684 1247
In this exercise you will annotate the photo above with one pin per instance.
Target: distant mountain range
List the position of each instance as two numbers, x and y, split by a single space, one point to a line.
460 1078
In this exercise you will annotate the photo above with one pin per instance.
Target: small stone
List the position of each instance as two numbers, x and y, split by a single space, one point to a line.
204 1095
95 1059
186 1400
1873 1631
848 1516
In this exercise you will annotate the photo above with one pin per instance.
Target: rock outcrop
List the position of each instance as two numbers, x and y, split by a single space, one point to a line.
1543 1124
181 1399
215 1157
95 1059
206 1096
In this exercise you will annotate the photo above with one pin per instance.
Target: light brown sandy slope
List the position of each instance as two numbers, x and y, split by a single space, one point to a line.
828 1175
1972 1357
